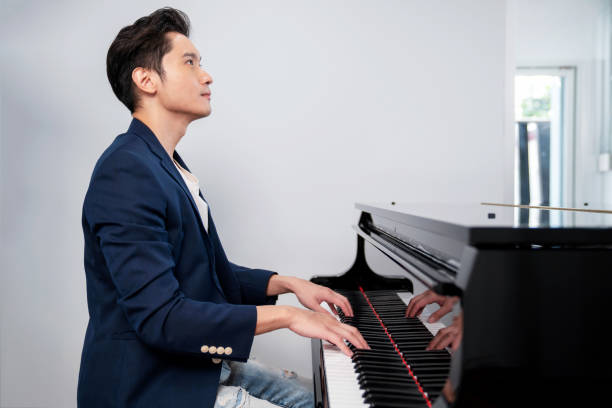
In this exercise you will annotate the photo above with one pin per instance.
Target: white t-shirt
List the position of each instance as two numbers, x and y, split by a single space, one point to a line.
194 188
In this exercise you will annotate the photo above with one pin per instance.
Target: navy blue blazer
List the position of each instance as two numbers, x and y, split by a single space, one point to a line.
159 287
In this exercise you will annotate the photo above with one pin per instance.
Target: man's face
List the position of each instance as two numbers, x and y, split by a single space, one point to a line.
185 88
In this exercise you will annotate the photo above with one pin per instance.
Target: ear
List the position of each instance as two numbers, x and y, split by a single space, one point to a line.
144 80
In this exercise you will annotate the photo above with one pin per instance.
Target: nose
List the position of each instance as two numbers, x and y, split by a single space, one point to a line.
205 78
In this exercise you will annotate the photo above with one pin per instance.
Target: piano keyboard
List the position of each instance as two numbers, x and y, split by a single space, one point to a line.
397 371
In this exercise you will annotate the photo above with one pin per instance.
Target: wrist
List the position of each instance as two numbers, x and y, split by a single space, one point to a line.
288 315
278 285
271 318
290 283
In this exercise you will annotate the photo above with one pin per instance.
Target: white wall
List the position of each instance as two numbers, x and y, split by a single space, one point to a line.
316 105
575 33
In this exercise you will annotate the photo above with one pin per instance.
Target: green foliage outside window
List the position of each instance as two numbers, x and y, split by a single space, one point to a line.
537 107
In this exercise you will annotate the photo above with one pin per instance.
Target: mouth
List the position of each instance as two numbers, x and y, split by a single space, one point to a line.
205 94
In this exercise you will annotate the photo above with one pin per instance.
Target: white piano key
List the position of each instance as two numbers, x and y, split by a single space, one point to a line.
342 385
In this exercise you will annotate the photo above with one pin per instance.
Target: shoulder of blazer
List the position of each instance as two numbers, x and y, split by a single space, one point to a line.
142 131
140 141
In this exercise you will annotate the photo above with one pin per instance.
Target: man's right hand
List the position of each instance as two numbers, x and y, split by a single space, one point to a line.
321 325
307 323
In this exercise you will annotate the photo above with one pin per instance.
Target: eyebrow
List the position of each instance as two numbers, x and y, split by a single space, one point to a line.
191 54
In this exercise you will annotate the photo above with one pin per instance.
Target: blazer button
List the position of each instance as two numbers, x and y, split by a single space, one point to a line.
212 349
228 350
216 360
220 350
204 349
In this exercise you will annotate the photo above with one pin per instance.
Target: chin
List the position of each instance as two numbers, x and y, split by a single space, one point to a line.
202 114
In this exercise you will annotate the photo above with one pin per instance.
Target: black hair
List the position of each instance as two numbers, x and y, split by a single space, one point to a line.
142 44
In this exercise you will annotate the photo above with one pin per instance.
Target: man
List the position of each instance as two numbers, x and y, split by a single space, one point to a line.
166 306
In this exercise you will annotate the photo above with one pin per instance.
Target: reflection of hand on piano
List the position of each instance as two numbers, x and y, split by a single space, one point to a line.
448 391
449 336
418 303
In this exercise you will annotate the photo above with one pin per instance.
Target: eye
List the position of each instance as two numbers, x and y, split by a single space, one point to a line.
190 61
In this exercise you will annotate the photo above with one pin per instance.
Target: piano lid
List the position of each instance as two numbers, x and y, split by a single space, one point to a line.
478 224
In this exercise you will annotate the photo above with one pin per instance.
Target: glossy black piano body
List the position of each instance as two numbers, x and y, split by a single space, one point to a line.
535 295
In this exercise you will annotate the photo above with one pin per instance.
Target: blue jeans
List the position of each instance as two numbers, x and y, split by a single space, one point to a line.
253 385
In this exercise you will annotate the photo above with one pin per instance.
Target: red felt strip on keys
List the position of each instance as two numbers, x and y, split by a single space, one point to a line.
396 348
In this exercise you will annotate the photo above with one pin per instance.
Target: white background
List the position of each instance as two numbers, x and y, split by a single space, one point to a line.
316 105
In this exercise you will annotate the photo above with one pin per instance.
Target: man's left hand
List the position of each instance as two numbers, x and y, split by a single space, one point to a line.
312 295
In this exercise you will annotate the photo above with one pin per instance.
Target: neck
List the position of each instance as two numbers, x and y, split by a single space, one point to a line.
167 127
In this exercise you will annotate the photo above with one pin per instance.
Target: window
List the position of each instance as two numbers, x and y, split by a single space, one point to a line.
544 137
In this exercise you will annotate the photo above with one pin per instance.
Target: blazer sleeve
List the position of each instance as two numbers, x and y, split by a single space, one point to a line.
253 285
125 209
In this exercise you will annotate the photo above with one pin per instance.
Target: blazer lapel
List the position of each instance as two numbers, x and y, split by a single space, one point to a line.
141 130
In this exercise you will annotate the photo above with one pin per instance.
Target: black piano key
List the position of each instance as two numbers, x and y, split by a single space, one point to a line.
377 398
388 381
394 404
413 393
377 373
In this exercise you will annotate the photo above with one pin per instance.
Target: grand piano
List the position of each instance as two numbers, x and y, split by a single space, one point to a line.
535 289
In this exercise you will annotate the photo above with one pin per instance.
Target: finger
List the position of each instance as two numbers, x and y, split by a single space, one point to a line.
349 333
441 340
421 301
432 344
340 344
448 391
437 315
365 343
447 339
344 304
419 306
456 341
353 335
411 304
436 342
408 309
356 340
439 299
348 304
